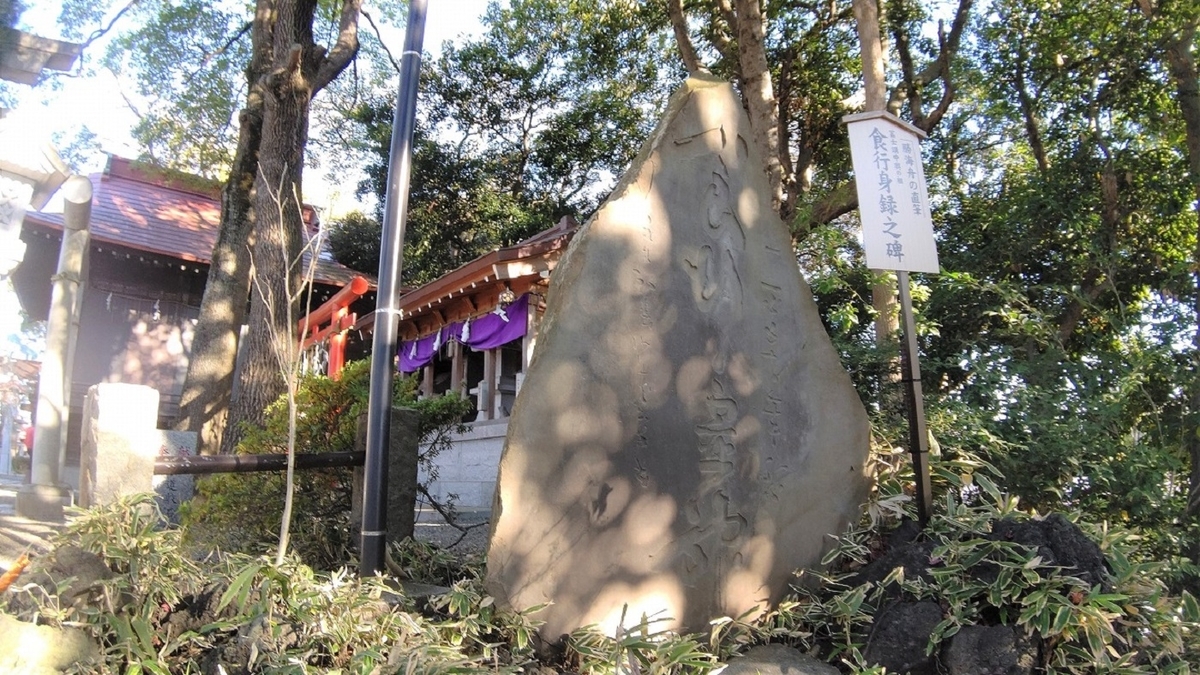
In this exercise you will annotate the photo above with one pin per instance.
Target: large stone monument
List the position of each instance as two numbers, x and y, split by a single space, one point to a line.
686 437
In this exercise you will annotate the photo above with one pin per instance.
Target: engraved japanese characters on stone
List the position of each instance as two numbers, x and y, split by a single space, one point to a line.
685 437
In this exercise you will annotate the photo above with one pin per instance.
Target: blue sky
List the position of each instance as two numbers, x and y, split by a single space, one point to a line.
99 103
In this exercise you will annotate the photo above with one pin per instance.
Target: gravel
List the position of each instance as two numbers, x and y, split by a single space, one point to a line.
431 528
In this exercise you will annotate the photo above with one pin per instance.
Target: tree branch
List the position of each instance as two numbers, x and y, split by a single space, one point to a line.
904 51
679 25
450 516
395 63
102 31
1029 116
723 39
948 89
344 49
837 202
228 43
938 68
758 93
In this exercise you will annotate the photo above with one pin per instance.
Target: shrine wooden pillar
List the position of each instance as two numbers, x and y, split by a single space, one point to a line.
488 391
457 369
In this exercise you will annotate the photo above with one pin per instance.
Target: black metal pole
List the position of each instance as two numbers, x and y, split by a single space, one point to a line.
918 436
387 307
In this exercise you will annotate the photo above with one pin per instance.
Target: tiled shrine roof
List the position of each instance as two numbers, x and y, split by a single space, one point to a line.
177 218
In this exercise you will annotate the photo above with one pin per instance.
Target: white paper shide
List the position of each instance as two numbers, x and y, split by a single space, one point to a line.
893 199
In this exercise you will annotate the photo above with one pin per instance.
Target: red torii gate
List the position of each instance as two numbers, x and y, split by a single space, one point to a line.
335 311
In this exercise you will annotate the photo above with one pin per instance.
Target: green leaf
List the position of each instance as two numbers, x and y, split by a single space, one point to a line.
144 634
1061 618
989 487
1095 643
1191 609
239 588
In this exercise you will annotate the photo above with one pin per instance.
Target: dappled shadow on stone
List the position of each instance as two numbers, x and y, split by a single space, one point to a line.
685 436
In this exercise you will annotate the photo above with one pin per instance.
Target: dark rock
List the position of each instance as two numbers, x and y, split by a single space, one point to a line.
900 635
239 656
905 533
913 557
75 573
195 612
776 660
990 650
1059 542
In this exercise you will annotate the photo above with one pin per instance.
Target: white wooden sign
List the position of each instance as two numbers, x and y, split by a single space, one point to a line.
893 198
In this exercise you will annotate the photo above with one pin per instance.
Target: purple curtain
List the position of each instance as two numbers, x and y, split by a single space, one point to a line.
482 332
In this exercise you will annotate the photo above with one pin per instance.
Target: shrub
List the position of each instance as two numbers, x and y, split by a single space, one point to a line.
354 240
160 612
969 563
242 512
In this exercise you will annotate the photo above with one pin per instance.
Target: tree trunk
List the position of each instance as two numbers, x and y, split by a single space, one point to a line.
679 25
299 68
866 18
1182 62
204 402
883 294
276 202
276 268
758 92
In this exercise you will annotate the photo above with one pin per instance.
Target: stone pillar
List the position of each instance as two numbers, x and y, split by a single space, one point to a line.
530 339
30 173
42 498
8 413
173 491
497 407
426 388
14 199
400 477
119 442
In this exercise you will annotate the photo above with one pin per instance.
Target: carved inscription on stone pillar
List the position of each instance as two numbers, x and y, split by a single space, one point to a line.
686 437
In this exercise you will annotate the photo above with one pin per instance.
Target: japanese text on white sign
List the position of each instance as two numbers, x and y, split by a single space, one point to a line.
893 199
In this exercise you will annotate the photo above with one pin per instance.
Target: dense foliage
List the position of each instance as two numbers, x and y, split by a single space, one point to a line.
1057 342
1060 343
241 512
532 121
984 562
167 613
354 241
164 612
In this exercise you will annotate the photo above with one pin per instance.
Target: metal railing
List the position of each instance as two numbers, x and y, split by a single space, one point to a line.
208 464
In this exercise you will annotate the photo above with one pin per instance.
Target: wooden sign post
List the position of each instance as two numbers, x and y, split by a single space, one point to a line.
893 203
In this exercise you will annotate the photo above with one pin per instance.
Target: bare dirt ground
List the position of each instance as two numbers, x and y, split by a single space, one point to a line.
20 535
